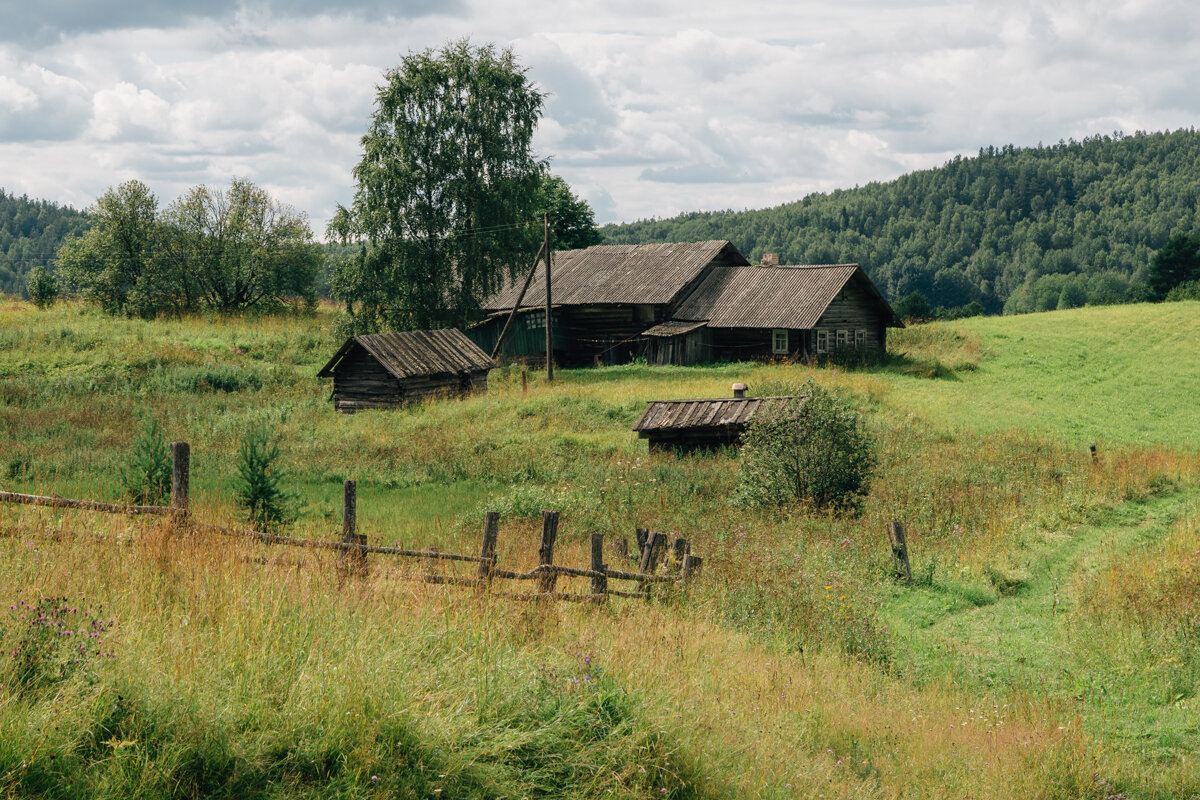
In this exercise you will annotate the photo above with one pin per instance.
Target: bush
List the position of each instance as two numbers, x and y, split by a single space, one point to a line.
259 476
146 477
42 287
812 448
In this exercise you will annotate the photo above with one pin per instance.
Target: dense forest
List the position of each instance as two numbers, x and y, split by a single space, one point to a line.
30 233
1013 229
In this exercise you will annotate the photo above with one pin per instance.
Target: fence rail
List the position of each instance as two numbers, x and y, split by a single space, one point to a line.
353 549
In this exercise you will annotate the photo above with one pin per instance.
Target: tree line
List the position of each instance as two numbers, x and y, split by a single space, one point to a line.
30 234
1009 229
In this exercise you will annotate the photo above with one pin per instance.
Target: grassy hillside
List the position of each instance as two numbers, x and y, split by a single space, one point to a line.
1048 649
1023 229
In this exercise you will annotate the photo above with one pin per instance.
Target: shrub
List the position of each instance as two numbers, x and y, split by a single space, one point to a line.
146 476
812 448
42 287
259 475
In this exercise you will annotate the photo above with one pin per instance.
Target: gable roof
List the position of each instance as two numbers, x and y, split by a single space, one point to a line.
774 297
619 273
409 353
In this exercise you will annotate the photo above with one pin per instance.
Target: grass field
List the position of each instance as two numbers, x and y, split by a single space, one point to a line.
1050 646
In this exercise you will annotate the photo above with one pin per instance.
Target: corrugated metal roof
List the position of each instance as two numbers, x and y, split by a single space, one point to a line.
673 327
766 297
727 412
408 353
619 273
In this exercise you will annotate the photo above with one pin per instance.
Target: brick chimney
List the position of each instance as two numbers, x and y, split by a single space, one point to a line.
739 390
770 260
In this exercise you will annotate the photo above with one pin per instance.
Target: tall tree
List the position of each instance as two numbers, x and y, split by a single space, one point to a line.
447 190
1177 262
572 221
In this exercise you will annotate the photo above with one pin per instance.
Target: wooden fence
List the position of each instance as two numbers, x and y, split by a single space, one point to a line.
657 563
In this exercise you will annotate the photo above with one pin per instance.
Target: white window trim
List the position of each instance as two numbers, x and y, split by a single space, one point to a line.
843 338
822 341
860 339
775 336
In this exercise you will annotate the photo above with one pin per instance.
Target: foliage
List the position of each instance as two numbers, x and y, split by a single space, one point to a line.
572 221
146 476
446 193
1185 291
42 287
30 234
113 263
983 227
1178 262
814 447
259 476
211 249
50 641
913 307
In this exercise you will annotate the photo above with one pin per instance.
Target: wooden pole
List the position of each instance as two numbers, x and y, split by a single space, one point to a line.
691 566
899 551
641 536
491 531
655 544
547 582
181 457
549 316
599 582
353 559
621 548
679 550
517 305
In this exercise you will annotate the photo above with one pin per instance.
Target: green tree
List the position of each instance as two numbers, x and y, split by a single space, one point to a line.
913 307
259 476
112 264
42 287
572 221
239 249
446 193
814 448
1177 262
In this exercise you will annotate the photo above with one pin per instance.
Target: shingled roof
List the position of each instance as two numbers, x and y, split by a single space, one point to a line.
620 273
773 297
410 353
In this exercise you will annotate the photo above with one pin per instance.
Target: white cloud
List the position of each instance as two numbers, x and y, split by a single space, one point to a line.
652 108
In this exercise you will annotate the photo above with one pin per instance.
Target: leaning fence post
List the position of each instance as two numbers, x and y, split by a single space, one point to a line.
547 580
491 531
899 551
599 582
353 558
655 544
181 456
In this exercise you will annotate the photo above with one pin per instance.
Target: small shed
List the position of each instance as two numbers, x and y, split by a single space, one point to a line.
689 425
385 370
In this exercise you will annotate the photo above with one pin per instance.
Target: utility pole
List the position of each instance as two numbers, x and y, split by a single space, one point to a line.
549 316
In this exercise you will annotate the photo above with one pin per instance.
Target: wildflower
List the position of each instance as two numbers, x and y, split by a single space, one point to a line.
374 777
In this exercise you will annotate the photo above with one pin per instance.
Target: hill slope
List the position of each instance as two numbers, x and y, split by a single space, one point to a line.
984 228
30 233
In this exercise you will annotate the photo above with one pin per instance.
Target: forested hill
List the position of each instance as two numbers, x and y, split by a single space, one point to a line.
1021 229
30 233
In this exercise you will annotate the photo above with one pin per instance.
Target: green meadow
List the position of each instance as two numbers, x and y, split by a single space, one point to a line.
1049 646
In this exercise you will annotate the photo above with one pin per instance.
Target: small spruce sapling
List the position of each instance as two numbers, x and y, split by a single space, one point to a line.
259 476
146 476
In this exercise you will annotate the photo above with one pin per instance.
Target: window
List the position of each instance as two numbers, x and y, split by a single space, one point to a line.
779 341
535 320
822 341
842 337
860 340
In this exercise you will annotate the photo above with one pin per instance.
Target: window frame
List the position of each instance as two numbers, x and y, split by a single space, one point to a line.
843 339
775 335
822 343
860 339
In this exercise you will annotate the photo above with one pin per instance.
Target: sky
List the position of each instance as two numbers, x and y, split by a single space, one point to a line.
653 107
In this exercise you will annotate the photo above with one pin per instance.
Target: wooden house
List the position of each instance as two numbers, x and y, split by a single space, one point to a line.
741 312
385 370
603 298
687 425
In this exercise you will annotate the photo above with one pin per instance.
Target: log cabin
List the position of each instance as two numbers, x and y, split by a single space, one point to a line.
385 370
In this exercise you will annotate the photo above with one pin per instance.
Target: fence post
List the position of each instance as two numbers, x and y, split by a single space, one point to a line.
691 566
679 551
655 544
353 559
899 551
641 536
181 457
548 581
599 582
491 531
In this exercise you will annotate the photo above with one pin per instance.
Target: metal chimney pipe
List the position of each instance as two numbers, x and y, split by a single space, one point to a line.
739 390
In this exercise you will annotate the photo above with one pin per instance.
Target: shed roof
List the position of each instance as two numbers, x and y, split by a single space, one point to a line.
619 273
681 415
774 297
409 353
673 327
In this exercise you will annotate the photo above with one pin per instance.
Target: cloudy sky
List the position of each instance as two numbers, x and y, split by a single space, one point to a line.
654 106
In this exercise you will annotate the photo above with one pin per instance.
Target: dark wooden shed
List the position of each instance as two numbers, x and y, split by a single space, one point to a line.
687 425
385 370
